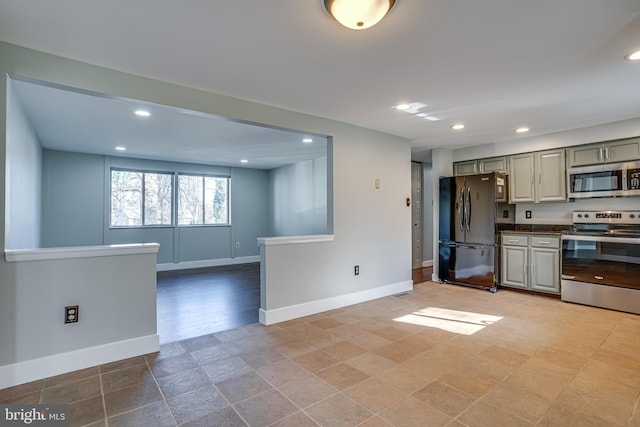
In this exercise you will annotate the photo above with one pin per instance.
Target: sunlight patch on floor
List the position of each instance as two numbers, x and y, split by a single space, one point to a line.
458 322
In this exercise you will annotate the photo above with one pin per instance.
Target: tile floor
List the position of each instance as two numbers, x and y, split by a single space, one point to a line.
444 355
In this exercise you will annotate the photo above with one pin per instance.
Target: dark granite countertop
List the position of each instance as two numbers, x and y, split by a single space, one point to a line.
553 229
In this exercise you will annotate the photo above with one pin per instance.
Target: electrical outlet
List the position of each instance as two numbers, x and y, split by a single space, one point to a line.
71 314
356 270
527 214
505 213
237 245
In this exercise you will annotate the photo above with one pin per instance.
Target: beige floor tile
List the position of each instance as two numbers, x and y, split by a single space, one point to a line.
283 372
374 395
368 340
155 415
371 363
341 376
560 415
86 411
243 386
410 412
613 372
315 360
504 355
444 398
521 403
375 422
561 357
74 376
631 362
343 350
326 323
545 385
391 332
72 392
477 376
265 408
21 390
482 414
298 419
592 404
338 411
306 391
407 380
596 386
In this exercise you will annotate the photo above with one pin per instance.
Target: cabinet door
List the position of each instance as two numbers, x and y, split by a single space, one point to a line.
465 168
521 187
494 164
586 155
622 151
552 175
514 266
545 270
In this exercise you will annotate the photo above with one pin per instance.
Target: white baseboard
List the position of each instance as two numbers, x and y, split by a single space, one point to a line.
269 317
49 366
207 263
427 263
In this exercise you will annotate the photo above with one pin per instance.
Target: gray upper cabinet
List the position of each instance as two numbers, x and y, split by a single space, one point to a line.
606 152
538 177
471 167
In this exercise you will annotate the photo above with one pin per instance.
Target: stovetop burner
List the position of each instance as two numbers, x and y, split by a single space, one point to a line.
607 223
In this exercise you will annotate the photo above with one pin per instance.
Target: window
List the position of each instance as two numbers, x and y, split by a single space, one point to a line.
140 198
203 200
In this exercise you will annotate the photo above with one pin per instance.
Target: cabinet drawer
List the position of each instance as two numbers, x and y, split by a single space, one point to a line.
514 240
545 241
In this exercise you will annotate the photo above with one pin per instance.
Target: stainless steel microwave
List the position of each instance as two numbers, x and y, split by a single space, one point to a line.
607 180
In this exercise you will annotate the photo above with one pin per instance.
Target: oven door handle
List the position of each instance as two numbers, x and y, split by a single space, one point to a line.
585 238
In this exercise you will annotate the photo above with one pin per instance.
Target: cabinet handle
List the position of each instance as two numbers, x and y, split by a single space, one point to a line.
600 155
539 178
606 154
514 241
544 242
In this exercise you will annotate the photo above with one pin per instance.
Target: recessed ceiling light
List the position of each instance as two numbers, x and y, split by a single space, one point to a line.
307 140
402 107
244 161
633 56
421 114
457 126
142 113
522 129
432 118
120 148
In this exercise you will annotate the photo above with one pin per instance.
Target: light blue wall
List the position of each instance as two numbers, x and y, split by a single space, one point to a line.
24 171
76 209
299 198
73 199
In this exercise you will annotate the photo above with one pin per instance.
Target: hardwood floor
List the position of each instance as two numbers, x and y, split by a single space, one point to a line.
203 301
421 275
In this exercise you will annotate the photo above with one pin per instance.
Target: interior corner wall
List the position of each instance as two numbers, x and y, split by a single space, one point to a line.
299 198
24 177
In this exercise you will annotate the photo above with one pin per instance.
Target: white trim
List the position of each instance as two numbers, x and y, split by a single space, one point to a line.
49 366
207 263
427 263
19 255
269 317
293 240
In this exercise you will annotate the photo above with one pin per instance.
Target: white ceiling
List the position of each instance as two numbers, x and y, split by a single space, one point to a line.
495 65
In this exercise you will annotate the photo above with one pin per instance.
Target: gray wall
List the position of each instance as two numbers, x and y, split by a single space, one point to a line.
427 204
372 227
76 209
24 171
299 198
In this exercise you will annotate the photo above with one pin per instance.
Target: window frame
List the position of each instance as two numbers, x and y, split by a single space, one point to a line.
172 175
203 176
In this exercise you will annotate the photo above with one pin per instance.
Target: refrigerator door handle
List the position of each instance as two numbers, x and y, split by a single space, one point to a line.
461 209
468 209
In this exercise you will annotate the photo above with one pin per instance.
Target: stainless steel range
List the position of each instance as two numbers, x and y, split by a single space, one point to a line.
601 260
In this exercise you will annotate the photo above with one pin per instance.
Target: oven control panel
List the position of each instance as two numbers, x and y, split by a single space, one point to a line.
606 217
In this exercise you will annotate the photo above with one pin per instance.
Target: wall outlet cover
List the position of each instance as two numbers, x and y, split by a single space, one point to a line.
527 214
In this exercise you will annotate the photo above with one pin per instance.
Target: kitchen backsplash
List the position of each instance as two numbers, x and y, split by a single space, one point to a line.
560 213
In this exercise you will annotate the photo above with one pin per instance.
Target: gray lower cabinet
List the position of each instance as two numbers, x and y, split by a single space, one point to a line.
531 261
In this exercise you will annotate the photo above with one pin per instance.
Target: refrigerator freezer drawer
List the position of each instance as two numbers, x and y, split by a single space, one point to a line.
465 264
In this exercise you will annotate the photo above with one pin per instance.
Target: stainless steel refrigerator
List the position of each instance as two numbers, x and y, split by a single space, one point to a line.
473 209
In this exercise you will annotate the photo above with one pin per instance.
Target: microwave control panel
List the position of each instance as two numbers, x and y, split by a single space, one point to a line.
633 179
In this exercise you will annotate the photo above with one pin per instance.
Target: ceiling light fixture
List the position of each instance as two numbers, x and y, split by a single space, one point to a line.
522 129
307 140
402 107
120 148
633 56
142 113
432 118
358 14
457 126
244 161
